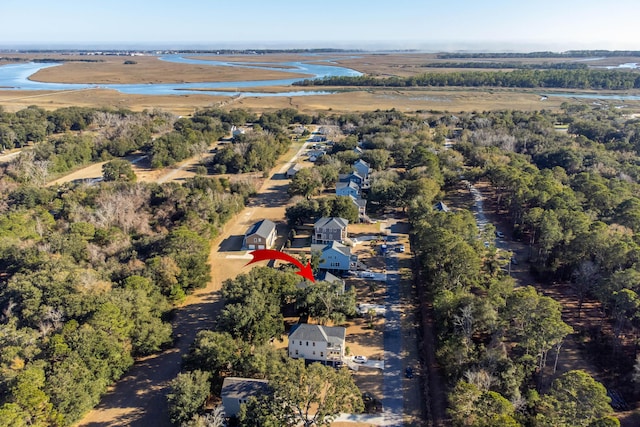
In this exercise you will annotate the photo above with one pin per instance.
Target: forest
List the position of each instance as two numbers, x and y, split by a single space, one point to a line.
519 78
546 54
90 273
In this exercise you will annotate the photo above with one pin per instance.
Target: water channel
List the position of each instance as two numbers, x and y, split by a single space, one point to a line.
16 77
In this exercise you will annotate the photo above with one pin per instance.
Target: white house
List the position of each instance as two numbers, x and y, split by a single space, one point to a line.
261 235
324 344
236 391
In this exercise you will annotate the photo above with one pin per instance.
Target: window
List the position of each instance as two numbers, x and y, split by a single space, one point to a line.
296 352
322 354
300 342
307 343
314 353
313 343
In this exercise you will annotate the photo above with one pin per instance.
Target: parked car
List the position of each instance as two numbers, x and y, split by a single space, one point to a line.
367 274
400 248
500 234
408 372
360 359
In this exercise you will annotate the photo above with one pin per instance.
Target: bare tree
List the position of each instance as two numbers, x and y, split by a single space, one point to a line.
481 378
7 313
584 278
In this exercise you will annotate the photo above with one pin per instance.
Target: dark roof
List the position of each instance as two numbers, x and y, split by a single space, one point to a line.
325 276
318 333
261 228
346 177
332 222
236 387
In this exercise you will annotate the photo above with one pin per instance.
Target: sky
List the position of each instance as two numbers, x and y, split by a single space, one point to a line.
505 25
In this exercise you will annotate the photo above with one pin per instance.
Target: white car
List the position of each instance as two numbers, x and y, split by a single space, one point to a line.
500 234
367 274
360 359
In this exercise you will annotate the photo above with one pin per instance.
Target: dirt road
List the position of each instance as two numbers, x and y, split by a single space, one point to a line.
138 399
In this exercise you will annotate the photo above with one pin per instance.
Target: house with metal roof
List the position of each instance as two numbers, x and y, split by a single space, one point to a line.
325 344
261 235
236 391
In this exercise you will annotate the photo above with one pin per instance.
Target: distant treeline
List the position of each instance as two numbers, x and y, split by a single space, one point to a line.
546 54
513 65
46 60
561 79
186 51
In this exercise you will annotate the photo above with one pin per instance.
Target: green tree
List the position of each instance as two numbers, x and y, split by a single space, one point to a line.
307 182
118 170
473 407
327 301
187 395
575 399
305 395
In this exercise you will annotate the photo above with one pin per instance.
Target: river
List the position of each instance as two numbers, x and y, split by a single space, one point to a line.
16 77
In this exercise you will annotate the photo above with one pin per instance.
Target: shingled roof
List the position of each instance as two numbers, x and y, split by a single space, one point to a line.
261 228
318 333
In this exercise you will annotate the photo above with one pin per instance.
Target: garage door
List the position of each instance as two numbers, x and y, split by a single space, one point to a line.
260 246
252 246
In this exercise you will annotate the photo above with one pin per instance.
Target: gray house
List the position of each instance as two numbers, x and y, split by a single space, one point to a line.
236 391
324 344
335 256
261 235
293 170
329 229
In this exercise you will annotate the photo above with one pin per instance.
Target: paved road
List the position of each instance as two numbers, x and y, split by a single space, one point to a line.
393 401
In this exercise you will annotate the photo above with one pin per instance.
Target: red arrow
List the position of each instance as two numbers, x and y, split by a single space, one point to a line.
263 254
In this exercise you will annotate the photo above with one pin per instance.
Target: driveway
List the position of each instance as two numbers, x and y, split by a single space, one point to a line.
139 398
